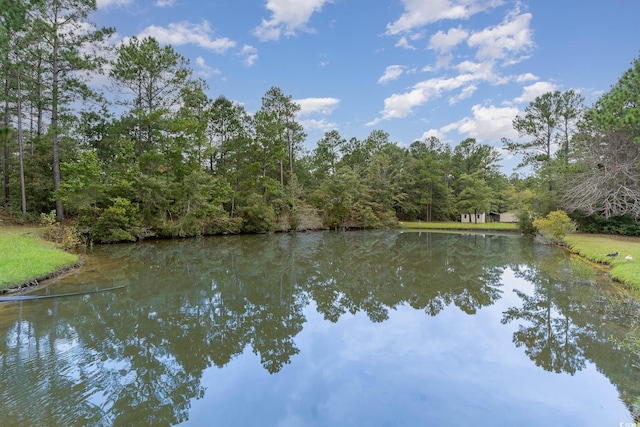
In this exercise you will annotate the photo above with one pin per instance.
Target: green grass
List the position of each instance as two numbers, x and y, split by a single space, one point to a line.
25 256
496 226
595 247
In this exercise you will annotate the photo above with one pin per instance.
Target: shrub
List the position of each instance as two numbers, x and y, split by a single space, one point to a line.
118 223
555 226
525 222
64 236
257 216
622 225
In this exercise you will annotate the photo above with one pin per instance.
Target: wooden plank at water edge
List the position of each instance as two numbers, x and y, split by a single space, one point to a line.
31 297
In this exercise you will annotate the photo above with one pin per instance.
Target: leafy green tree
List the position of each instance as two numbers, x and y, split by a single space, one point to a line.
555 226
357 153
198 205
13 19
470 157
338 195
417 183
549 121
476 176
82 190
427 184
278 135
118 222
475 196
619 108
228 130
151 79
327 153
257 215
189 126
570 110
231 147
539 122
64 27
384 176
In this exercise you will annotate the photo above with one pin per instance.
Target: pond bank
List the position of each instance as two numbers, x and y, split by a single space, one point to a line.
624 266
28 259
593 247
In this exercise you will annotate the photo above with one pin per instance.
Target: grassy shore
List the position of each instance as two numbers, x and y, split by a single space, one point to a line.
26 257
487 226
593 247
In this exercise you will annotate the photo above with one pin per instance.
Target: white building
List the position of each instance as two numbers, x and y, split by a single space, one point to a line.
475 218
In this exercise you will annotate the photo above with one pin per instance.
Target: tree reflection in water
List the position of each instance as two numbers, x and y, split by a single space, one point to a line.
561 328
137 356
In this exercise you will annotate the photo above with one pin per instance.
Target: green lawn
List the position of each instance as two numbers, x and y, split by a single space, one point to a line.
595 247
24 256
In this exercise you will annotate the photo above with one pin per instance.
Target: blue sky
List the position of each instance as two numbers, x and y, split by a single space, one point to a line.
413 68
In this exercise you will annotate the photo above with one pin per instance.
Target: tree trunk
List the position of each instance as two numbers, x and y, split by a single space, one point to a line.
55 76
5 137
40 102
290 158
23 197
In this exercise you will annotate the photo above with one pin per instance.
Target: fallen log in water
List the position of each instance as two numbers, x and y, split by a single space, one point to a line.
30 297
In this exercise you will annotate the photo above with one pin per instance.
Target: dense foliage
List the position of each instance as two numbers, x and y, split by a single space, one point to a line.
555 226
153 155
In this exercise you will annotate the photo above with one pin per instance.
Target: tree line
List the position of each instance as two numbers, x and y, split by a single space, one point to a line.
153 155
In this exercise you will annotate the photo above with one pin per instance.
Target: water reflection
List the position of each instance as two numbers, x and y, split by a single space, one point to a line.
138 355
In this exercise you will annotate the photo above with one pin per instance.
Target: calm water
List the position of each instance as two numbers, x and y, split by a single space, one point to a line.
322 329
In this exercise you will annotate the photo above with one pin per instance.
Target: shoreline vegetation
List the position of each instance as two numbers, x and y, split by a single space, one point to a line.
593 247
28 258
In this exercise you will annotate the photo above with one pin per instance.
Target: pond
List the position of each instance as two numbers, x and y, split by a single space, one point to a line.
379 328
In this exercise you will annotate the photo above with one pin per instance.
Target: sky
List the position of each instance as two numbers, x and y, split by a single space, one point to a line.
453 69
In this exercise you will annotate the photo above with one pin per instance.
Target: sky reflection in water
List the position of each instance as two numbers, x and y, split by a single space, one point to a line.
369 328
410 370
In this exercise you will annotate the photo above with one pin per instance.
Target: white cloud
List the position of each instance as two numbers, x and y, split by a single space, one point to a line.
398 106
204 70
531 92
482 70
419 13
321 125
310 106
401 105
432 132
512 36
403 42
103 4
489 123
250 55
527 77
445 42
288 17
180 33
464 94
392 72
165 3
